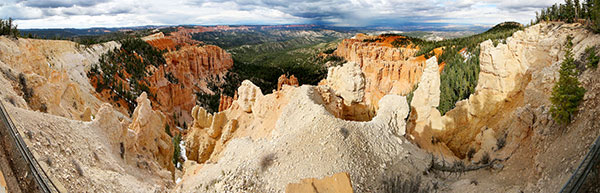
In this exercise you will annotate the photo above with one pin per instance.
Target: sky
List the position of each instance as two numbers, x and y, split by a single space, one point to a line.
355 13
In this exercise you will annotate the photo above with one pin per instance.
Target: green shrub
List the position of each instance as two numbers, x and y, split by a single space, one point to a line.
168 130
177 151
567 93
210 102
592 58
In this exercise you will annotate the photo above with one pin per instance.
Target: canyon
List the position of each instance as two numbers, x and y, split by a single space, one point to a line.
387 70
357 128
192 66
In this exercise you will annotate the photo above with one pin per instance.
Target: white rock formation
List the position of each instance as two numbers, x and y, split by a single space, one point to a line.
426 98
393 112
248 93
348 82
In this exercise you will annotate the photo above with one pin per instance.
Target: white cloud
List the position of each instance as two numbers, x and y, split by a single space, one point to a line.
114 13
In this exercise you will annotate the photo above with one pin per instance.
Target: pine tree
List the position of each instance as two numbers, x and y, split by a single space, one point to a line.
577 10
594 14
554 11
569 11
567 93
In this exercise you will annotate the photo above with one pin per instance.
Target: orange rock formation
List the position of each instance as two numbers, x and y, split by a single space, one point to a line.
192 66
225 102
387 70
284 80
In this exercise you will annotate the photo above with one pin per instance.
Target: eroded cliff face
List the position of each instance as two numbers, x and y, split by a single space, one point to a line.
511 99
506 71
387 70
191 67
508 115
53 76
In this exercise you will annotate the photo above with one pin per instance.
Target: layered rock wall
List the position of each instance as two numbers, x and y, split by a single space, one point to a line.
192 68
387 70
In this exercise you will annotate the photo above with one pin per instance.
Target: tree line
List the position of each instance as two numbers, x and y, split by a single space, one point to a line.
587 12
7 27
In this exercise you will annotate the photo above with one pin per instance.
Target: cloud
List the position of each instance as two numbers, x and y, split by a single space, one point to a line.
106 13
61 3
92 12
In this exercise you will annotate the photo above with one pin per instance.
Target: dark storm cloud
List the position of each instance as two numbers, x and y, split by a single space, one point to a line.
344 11
61 3
310 9
91 12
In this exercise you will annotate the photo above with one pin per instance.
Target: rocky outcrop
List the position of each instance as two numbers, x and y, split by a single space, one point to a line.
348 82
337 183
55 71
248 93
207 130
159 41
146 138
143 141
108 121
426 99
284 80
425 119
393 112
250 115
387 70
293 121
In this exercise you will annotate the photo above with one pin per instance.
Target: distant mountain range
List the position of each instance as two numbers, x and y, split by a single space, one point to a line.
408 27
